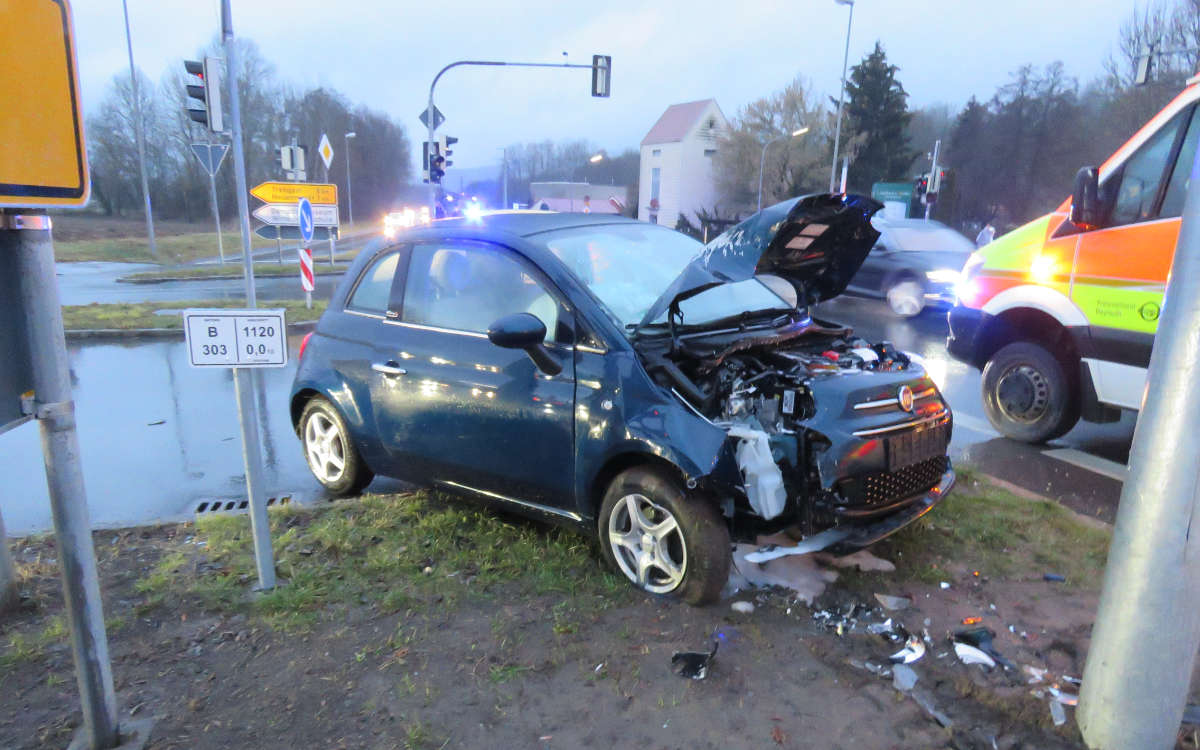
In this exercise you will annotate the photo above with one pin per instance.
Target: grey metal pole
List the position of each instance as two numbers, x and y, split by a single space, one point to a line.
1147 630
504 172
349 189
8 572
932 176
140 135
212 182
278 246
55 412
762 160
837 133
264 556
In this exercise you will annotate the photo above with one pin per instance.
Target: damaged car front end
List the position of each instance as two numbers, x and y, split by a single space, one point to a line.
823 429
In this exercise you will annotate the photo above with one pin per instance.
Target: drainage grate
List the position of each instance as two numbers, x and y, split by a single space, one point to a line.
206 507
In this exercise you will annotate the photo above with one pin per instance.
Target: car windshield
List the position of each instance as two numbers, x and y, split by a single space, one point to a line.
628 266
938 240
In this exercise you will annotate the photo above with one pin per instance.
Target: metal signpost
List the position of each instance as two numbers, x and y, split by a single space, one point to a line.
210 156
244 386
304 210
44 166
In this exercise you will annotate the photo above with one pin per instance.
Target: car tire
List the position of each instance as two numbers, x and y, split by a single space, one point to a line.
688 559
327 443
905 297
1027 395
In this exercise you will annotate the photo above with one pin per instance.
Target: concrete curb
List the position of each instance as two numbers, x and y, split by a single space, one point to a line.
154 333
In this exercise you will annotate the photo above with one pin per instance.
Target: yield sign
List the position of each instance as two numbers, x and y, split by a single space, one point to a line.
210 155
325 150
438 117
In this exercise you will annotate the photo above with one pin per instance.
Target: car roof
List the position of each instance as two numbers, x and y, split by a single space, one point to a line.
526 223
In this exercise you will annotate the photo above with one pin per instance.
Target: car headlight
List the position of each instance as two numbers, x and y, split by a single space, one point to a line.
943 276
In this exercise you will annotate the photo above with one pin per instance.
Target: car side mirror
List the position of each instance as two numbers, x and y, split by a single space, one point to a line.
1085 199
524 331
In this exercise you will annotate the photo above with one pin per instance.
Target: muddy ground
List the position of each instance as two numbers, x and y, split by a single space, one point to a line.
454 662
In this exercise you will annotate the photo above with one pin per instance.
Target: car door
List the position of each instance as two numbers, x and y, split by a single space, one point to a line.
456 409
869 279
1121 268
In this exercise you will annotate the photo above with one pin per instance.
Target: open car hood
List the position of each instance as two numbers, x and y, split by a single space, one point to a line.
816 242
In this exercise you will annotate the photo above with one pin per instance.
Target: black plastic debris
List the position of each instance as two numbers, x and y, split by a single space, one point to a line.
1054 577
981 638
693 665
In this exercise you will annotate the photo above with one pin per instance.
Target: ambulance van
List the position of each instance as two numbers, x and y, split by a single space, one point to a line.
1060 314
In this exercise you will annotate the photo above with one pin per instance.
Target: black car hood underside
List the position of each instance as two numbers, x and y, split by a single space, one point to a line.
816 242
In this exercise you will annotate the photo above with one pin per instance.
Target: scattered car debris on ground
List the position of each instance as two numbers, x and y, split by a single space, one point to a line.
971 655
693 665
815 543
1057 713
1054 578
982 639
913 650
903 678
894 603
742 607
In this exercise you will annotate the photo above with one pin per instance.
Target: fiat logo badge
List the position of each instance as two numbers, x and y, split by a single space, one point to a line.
905 398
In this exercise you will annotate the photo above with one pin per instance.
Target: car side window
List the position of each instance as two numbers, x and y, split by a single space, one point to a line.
468 287
1134 190
1178 184
374 287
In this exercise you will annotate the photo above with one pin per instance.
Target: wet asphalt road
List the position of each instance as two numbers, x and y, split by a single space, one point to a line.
159 437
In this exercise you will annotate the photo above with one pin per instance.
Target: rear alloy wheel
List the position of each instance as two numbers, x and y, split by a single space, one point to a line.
663 541
1027 395
906 298
329 451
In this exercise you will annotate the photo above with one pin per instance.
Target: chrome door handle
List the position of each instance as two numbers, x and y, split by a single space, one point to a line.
388 369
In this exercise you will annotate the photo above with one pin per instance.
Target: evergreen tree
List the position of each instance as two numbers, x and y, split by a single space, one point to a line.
877 114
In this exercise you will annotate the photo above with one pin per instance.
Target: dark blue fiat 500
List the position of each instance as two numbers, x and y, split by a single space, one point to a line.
664 395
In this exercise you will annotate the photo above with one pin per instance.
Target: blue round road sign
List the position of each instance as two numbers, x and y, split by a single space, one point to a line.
306 220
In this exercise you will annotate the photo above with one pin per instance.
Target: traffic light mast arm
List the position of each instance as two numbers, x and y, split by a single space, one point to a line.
488 63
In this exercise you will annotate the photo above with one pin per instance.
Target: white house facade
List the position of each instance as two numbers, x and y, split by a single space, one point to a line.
676 162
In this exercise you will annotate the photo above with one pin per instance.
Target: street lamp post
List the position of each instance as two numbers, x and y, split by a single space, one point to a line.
349 191
762 160
140 134
837 132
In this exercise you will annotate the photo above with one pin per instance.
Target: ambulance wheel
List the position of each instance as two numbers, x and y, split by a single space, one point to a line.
1027 394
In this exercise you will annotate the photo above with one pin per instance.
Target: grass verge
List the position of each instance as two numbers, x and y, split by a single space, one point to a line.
982 527
234 270
394 552
131 316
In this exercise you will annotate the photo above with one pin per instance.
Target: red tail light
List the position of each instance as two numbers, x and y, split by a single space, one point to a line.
303 343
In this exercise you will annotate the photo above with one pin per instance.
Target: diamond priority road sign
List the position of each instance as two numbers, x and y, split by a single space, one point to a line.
280 214
290 192
438 117
326 151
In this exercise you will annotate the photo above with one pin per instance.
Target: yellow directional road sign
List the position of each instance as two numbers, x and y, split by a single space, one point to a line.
290 192
42 156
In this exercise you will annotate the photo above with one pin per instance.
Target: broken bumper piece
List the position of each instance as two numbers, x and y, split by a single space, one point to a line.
850 537
864 536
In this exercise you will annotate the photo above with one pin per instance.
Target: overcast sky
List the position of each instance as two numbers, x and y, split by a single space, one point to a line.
384 53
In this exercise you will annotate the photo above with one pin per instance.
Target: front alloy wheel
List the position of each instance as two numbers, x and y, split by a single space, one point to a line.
662 539
647 544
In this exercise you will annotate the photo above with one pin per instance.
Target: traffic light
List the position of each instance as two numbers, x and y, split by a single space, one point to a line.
438 170
208 91
444 143
921 186
931 194
429 152
601 75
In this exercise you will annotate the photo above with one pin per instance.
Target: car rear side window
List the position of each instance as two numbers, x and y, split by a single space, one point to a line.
467 288
375 286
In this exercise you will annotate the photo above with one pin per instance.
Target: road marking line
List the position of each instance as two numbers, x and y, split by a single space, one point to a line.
974 424
1102 466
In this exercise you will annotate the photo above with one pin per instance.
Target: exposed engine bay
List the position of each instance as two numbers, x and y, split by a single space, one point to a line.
824 428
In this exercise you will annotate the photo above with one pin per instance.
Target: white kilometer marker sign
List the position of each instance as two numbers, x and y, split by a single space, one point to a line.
236 338
288 214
